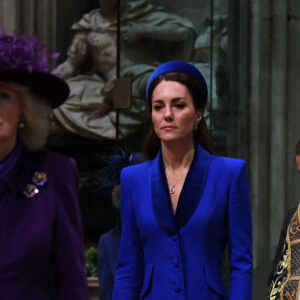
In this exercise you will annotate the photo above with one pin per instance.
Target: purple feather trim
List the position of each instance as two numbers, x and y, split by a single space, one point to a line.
23 53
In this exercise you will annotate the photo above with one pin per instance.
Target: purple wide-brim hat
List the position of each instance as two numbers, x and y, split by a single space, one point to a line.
23 60
47 86
178 66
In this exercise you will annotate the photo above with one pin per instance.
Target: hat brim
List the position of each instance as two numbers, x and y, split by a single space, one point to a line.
49 87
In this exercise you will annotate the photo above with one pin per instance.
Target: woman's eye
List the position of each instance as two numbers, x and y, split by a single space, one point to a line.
4 96
180 105
157 107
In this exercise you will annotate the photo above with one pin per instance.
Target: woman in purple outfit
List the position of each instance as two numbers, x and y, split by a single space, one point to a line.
41 246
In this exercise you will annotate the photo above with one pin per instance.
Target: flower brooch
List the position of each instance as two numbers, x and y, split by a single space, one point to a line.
38 180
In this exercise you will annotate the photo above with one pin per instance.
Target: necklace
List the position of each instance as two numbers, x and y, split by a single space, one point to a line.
172 186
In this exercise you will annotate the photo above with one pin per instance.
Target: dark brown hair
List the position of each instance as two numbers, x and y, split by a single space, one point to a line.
298 147
152 143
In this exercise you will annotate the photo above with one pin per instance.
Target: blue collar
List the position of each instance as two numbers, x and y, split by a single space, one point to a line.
190 195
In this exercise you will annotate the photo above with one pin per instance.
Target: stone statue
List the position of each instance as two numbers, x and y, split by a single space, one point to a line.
90 69
217 114
148 36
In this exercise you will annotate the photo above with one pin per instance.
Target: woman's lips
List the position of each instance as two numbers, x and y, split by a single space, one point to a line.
168 127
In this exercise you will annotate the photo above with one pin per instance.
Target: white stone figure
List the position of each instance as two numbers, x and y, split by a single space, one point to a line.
211 58
149 36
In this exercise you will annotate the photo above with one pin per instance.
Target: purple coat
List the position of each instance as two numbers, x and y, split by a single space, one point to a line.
41 246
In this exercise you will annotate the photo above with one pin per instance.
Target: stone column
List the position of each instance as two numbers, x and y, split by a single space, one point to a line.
274 126
50 20
9 15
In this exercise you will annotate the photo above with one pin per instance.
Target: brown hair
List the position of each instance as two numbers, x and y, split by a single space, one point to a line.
152 142
298 147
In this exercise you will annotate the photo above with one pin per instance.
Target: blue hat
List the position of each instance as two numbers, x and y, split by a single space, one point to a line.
178 67
116 162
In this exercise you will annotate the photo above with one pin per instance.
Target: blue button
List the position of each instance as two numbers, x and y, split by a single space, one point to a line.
174 238
175 262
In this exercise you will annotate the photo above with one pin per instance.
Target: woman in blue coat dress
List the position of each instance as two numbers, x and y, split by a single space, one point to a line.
180 209
41 245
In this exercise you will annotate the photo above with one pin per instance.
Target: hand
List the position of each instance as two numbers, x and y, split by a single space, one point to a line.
131 33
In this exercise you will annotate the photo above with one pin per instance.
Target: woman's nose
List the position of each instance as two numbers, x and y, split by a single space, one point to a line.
168 113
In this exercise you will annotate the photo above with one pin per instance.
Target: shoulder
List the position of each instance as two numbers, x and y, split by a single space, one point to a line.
227 169
86 22
58 159
115 231
136 171
44 157
54 164
289 215
227 164
110 240
218 161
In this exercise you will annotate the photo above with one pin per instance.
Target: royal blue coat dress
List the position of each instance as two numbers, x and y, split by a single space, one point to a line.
41 245
108 252
166 256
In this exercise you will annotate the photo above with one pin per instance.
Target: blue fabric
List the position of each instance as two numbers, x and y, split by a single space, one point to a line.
166 256
108 251
178 66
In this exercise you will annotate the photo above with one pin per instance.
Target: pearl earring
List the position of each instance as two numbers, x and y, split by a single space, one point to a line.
21 125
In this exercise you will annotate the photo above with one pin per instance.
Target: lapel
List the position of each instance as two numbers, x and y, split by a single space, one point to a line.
22 173
160 197
190 195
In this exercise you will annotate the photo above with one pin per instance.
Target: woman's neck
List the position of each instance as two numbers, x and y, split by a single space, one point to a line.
177 157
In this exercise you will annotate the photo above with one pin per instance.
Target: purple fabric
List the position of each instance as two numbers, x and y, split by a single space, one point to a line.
41 244
9 162
7 165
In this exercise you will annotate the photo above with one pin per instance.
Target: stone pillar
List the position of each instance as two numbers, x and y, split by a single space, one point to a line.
50 20
278 128
274 126
9 15
293 101
259 125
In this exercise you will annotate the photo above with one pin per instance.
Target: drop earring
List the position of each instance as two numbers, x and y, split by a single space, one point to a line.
21 125
195 127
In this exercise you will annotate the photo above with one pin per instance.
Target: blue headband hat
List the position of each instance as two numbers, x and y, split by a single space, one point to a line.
178 67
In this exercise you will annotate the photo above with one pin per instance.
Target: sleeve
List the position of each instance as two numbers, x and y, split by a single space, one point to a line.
240 236
105 277
77 55
70 274
130 268
278 254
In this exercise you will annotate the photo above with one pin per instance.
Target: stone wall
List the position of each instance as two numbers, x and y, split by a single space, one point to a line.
274 125
50 20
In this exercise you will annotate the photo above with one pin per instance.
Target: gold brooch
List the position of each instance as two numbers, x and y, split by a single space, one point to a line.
39 179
